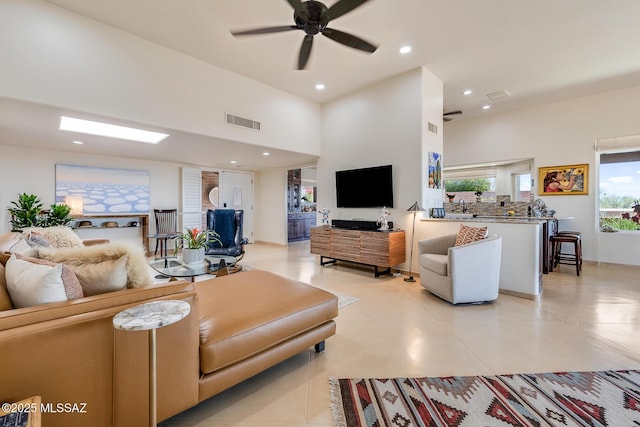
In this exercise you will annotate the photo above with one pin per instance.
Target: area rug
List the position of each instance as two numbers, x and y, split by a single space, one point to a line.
605 398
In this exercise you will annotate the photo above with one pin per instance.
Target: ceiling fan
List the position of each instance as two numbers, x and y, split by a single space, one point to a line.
446 118
312 17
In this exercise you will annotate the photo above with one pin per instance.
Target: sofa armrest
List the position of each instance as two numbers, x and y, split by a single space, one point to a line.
70 352
437 245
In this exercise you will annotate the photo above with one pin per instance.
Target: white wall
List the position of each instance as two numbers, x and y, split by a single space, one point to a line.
24 170
271 206
379 125
555 134
55 57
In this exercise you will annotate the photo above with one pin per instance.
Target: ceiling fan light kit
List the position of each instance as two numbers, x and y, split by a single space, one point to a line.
312 17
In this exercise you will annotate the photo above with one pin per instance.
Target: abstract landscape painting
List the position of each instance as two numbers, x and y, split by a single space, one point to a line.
104 190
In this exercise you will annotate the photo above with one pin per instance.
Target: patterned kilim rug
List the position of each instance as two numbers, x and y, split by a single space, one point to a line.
598 399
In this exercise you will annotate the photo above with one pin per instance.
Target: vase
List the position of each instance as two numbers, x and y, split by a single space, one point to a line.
192 256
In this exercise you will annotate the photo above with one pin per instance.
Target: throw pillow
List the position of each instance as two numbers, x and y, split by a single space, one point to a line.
31 284
22 247
72 287
5 301
468 234
137 270
7 240
59 236
34 239
102 277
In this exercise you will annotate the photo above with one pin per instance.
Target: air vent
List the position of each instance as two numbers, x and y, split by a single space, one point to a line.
498 95
432 128
242 122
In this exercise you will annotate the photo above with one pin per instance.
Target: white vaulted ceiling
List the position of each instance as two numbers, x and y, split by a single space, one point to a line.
537 51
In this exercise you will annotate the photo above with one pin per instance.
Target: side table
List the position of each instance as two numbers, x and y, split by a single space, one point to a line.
149 317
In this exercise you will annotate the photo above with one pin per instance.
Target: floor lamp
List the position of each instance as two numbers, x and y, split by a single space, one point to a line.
414 208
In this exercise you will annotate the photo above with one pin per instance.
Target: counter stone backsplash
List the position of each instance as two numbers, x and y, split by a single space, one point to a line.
491 208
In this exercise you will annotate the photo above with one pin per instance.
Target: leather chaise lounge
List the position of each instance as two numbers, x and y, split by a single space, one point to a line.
239 325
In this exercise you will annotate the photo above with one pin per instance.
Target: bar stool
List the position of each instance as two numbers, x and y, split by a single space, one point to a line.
559 257
576 233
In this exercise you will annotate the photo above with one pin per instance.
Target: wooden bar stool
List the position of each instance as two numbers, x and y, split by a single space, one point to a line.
560 257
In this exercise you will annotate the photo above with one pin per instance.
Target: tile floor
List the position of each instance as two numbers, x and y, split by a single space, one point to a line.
396 329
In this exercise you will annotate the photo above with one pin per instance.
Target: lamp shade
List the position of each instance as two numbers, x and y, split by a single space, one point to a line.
415 208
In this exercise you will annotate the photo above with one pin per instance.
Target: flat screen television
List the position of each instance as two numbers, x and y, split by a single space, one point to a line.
365 188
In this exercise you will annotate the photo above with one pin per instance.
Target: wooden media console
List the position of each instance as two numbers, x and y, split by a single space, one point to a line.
377 248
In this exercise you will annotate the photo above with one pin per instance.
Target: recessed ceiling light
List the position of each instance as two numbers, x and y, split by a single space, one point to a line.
405 49
266 153
467 92
320 86
486 107
78 142
111 131
233 162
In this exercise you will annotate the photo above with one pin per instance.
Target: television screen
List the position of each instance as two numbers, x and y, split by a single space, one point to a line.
365 188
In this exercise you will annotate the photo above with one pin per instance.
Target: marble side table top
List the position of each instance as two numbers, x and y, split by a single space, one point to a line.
151 315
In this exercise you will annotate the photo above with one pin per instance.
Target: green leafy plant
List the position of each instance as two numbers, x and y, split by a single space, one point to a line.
58 215
474 184
619 224
194 238
27 212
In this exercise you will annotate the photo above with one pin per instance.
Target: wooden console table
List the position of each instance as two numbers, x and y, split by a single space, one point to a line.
377 248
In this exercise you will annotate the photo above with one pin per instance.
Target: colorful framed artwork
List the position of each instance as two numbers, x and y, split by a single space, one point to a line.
435 170
563 180
93 191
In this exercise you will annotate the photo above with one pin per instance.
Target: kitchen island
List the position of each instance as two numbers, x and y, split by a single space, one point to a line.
524 247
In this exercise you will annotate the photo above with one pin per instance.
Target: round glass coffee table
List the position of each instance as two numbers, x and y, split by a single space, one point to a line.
175 268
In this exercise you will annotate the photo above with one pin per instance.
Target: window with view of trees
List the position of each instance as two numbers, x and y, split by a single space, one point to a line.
620 191
467 189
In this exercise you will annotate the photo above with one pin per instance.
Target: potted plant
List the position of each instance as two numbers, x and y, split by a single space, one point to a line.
26 212
193 243
450 197
478 194
58 215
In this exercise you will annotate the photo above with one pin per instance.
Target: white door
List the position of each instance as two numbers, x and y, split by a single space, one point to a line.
191 198
237 193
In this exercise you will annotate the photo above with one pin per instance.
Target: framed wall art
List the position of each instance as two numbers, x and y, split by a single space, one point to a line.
435 170
103 190
563 180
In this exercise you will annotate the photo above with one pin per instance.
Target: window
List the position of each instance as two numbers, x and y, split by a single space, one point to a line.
468 186
522 187
619 191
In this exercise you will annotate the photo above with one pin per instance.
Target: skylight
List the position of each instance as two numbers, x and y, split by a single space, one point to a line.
111 131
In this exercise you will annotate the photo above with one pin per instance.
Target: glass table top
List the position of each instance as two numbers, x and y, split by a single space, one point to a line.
175 267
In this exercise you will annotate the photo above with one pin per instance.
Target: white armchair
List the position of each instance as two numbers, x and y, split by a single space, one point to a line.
461 274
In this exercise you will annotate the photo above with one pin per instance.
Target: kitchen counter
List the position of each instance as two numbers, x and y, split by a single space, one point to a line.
523 250
496 219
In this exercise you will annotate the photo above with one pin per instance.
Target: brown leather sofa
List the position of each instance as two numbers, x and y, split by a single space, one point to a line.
241 324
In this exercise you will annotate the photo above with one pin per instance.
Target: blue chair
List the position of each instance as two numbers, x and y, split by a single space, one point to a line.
228 224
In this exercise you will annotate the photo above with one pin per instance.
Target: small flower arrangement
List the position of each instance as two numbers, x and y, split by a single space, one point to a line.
195 238
478 193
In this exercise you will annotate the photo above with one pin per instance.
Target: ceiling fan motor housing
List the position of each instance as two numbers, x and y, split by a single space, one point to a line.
315 21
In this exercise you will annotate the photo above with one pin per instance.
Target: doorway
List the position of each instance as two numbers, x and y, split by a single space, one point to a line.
302 196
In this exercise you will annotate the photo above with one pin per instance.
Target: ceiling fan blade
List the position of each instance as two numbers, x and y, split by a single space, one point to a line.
449 113
349 40
447 119
305 51
266 30
341 7
300 9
